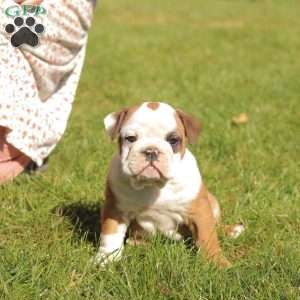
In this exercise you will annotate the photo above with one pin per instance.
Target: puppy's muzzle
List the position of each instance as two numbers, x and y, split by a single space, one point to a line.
151 154
149 162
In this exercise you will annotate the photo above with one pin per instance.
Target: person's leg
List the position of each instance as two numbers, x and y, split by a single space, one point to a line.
12 161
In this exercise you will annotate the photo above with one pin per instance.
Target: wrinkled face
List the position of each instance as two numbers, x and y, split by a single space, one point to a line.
152 139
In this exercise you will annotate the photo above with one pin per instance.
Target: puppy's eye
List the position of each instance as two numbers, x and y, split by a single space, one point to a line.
173 140
131 138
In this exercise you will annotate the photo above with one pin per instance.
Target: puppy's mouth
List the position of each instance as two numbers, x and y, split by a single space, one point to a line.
145 172
150 173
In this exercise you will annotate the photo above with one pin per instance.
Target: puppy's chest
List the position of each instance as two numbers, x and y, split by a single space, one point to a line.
163 216
161 210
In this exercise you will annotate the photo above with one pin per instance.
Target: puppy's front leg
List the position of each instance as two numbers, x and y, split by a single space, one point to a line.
113 231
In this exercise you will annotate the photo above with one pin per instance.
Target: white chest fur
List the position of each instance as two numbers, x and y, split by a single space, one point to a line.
156 208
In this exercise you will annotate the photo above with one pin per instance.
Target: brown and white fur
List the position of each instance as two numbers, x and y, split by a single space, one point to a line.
154 182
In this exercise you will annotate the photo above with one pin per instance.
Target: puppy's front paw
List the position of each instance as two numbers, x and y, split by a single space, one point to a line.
103 257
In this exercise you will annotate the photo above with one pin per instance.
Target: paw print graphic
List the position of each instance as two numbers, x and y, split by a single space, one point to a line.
24 31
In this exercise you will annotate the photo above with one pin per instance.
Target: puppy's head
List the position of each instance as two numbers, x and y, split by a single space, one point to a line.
152 139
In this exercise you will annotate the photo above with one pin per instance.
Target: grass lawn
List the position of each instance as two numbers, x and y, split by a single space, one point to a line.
214 59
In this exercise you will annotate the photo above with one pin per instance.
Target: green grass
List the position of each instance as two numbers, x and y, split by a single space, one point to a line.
215 59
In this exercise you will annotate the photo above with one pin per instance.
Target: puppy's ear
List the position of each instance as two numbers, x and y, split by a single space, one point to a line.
113 123
191 125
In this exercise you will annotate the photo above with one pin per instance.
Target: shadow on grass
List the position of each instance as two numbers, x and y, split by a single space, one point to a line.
85 217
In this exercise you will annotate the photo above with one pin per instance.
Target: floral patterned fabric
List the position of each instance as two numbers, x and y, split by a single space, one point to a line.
38 84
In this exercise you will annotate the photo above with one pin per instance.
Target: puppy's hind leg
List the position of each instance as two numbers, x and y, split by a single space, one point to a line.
215 207
203 223
233 231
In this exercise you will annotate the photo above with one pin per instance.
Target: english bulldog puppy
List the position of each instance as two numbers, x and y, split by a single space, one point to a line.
154 183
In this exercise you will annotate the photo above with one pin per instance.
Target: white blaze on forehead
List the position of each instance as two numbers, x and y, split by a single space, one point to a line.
150 121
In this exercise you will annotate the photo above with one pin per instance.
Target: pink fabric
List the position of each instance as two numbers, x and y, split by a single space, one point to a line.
12 161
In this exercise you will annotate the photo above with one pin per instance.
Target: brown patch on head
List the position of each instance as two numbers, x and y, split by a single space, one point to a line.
153 105
192 127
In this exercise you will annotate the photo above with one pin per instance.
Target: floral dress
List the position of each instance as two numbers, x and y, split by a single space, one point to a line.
38 84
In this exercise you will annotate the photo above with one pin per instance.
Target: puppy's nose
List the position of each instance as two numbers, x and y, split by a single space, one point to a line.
151 153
